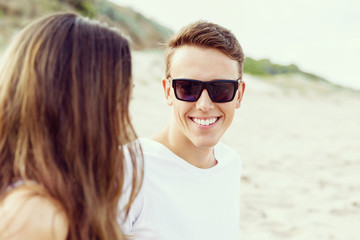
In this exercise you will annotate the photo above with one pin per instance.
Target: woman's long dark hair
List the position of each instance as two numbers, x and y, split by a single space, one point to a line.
65 85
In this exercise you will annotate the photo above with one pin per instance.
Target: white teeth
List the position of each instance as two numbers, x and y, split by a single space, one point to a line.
206 122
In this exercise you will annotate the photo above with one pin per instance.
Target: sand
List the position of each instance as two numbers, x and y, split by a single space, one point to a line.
300 146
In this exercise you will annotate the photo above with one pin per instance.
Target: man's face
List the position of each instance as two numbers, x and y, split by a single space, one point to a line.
187 124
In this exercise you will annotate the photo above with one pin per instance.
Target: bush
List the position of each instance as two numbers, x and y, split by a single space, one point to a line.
266 67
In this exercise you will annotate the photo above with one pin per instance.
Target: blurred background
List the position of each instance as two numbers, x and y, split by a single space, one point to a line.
297 130
320 36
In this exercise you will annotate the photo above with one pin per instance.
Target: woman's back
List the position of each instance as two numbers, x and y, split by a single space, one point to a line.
65 87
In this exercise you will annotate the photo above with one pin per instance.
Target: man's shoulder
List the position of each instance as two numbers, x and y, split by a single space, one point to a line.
153 148
227 156
226 151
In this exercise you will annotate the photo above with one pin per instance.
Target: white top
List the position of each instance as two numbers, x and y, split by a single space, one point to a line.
179 201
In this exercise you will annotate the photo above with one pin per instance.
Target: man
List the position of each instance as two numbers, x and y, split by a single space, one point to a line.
191 181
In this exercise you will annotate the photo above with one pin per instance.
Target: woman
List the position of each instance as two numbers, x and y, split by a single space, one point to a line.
65 85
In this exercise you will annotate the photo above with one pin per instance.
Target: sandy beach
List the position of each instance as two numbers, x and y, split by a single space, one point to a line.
300 146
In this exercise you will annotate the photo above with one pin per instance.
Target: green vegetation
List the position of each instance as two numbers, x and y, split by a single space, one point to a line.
86 7
264 67
144 33
286 76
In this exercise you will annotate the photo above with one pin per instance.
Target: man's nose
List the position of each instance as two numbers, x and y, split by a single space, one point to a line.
204 103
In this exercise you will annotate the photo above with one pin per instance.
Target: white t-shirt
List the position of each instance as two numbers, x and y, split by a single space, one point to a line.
179 201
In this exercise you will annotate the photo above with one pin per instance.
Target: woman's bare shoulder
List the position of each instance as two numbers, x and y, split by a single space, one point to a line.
26 214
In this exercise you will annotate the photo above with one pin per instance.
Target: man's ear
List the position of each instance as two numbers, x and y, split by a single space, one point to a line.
167 91
240 94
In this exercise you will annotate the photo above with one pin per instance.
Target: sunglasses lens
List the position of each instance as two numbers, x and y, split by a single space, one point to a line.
188 90
222 91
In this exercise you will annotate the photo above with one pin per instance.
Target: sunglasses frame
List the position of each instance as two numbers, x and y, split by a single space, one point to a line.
204 85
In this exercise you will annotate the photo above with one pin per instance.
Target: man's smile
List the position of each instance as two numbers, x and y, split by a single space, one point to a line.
204 121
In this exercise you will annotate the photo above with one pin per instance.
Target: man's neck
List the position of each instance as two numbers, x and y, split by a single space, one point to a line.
184 148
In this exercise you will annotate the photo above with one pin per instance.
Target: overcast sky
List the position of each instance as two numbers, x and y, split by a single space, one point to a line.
320 36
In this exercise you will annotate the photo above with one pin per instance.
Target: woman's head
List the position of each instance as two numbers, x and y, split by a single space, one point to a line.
65 85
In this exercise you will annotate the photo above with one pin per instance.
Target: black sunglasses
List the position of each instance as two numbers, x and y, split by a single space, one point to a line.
220 91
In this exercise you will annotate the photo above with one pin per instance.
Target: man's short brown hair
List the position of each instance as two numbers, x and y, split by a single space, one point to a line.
207 35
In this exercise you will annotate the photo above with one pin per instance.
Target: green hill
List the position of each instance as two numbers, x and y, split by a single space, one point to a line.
145 33
264 67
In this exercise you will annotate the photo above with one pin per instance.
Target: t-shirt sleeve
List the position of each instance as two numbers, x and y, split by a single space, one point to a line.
135 211
229 155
